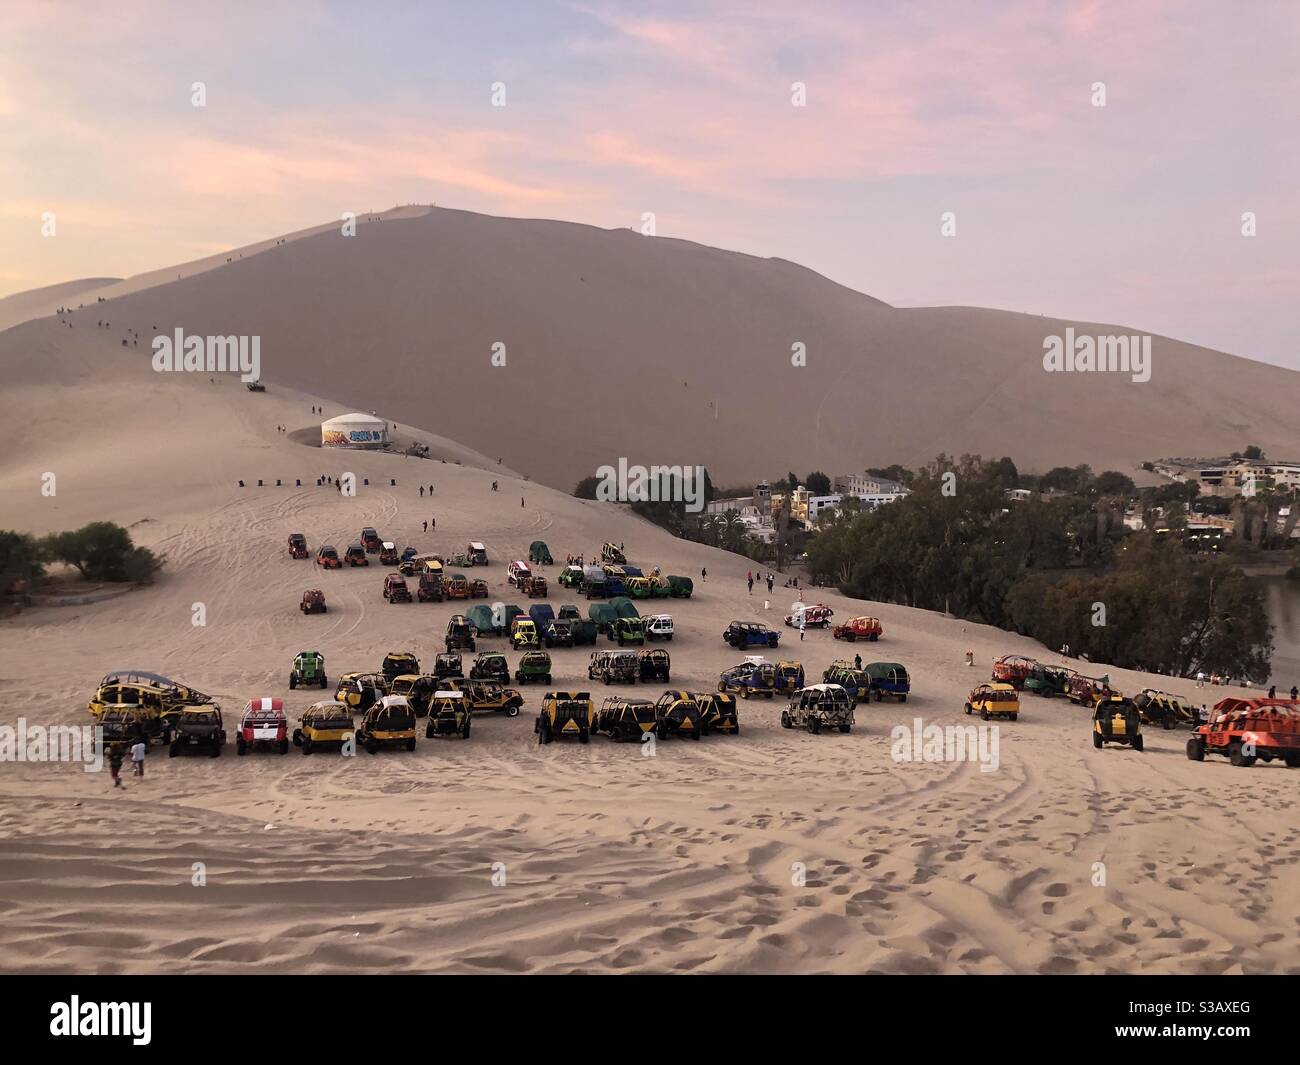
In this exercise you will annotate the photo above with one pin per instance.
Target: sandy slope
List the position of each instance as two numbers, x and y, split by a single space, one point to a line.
665 351
613 861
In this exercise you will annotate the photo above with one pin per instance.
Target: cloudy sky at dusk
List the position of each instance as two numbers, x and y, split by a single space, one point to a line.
1127 213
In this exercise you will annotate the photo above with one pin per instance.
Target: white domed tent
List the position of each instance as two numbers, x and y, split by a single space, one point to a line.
354 430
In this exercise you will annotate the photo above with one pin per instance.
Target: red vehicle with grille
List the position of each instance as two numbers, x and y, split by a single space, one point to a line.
860 628
263 726
1013 669
297 545
1244 730
371 540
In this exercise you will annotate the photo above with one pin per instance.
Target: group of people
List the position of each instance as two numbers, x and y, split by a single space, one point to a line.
1219 679
117 753
751 575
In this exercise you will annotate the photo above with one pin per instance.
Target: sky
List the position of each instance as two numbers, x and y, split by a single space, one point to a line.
985 115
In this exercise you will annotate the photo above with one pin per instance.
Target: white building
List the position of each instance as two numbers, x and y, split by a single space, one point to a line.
355 431
863 485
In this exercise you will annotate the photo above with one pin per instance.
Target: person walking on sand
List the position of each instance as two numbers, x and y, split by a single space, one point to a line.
115 763
751 584
1200 678
857 661
1272 691
801 623
137 757
970 658
770 578
704 574
421 491
426 526
433 523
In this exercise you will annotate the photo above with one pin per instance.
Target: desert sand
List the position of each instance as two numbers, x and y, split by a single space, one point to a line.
685 861
666 351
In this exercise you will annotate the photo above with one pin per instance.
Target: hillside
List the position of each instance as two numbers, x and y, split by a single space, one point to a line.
665 351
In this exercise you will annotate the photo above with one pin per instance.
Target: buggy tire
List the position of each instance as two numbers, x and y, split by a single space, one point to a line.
903 698
968 708
172 750
293 682
984 714
323 680
371 747
1137 742
785 721
410 744
512 710
1237 758
851 637
877 693
216 751
695 733
1196 749
584 736
845 727
1097 740
240 746
428 731
815 725
736 730
1292 759
1015 717
284 746
297 737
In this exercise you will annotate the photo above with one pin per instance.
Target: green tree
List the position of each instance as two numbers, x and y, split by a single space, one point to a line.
1113 483
818 483
20 560
102 551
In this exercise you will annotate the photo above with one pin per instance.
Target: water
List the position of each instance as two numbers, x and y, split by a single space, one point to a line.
1282 601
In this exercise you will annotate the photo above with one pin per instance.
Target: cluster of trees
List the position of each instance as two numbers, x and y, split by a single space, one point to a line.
1040 566
100 551
1157 609
669 513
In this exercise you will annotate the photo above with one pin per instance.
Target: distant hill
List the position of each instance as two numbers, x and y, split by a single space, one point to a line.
665 351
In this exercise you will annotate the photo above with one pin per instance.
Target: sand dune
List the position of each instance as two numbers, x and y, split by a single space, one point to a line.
614 862
665 351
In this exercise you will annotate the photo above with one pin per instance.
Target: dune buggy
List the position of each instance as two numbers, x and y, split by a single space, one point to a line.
323 724
565 714
263 726
389 723
1246 730
308 668
819 708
